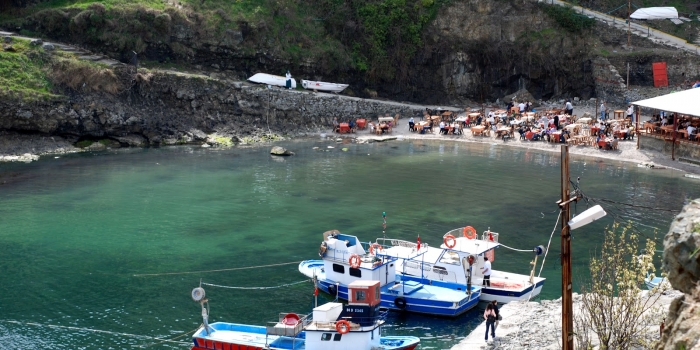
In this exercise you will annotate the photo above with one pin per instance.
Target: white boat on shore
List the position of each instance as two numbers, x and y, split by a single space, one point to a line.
269 79
323 86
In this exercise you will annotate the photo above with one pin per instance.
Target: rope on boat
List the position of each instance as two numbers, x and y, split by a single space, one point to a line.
517 250
94 331
219 270
255 288
548 243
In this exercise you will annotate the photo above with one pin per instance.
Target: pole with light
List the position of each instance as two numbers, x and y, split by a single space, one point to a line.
568 224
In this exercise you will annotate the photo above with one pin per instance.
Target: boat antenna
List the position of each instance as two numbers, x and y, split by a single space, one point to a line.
384 224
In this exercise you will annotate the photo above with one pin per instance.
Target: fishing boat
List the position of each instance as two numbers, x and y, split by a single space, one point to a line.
323 86
460 261
344 261
653 281
331 326
269 79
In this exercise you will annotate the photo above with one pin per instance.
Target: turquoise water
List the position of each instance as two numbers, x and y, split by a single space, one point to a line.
74 231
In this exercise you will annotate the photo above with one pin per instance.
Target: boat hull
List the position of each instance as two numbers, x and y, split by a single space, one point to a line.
323 86
269 79
412 296
232 336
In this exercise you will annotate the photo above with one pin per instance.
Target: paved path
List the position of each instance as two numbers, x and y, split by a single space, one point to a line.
654 35
81 54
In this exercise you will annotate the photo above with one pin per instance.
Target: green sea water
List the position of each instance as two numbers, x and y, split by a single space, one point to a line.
77 232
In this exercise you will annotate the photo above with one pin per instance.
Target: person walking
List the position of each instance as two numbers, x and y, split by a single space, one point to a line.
487 272
498 315
490 317
630 113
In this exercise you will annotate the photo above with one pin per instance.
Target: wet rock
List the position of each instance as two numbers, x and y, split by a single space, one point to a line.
48 47
280 151
133 140
681 255
36 42
7 39
9 48
96 146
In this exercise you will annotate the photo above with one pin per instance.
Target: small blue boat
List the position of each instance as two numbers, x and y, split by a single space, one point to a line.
344 260
332 326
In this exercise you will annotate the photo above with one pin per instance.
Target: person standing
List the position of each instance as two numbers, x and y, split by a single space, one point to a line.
630 113
603 109
490 317
569 108
487 272
288 83
498 315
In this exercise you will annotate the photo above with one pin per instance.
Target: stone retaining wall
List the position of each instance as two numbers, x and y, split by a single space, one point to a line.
683 149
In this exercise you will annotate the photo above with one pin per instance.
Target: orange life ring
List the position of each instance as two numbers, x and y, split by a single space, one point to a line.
342 326
450 238
469 232
375 246
355 261
470 259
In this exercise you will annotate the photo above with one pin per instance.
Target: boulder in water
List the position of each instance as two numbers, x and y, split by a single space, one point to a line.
682 249
280 151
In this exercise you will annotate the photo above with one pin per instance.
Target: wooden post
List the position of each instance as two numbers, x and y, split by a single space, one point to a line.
637 131
567 313
673 140
629 24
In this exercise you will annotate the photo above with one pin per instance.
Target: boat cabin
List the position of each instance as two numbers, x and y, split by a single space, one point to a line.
337 252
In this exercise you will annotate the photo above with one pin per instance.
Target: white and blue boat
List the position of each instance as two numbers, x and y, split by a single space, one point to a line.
344 260
332 326
652 281
459 262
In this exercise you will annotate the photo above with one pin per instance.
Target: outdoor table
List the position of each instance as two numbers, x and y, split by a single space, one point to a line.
462 119
585 120
554 137
573 127
516 121
435 117
344 128
361 123
478 130
502 130
618 114
528 117
594 130
683 133
385 119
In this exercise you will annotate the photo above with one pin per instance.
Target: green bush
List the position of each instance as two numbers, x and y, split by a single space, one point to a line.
567 18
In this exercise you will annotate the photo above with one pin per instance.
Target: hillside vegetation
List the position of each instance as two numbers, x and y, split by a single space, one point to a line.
375 37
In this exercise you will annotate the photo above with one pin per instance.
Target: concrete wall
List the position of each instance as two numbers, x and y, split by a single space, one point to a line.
683 149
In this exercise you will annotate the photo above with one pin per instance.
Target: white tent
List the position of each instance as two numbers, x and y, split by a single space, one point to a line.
655 13
683 102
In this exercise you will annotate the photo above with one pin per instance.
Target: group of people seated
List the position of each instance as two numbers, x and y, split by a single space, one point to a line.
351 125
548 134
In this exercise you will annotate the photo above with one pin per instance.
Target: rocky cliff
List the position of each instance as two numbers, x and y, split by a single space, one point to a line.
475 49
173 108
682 263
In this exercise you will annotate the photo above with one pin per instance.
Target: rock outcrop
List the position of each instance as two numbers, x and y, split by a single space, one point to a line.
682 263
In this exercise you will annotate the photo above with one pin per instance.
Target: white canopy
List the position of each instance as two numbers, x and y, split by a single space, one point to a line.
655 13
683 102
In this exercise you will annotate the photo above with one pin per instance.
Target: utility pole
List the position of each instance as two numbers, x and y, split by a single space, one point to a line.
567 309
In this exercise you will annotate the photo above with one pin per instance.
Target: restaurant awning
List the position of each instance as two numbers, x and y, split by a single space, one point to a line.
683 102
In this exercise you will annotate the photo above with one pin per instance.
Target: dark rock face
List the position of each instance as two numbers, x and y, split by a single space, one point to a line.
176 108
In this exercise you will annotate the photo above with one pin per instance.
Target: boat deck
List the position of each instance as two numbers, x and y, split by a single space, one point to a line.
248 335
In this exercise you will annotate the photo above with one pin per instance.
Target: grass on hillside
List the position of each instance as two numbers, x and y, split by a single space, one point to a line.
22 73
379 37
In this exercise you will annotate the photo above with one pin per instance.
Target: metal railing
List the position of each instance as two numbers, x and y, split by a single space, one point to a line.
283 329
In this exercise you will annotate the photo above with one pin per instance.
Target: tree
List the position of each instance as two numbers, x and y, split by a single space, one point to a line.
614 307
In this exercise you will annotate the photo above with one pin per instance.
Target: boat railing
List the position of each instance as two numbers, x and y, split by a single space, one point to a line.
399 243
345 257
284 327
431 272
